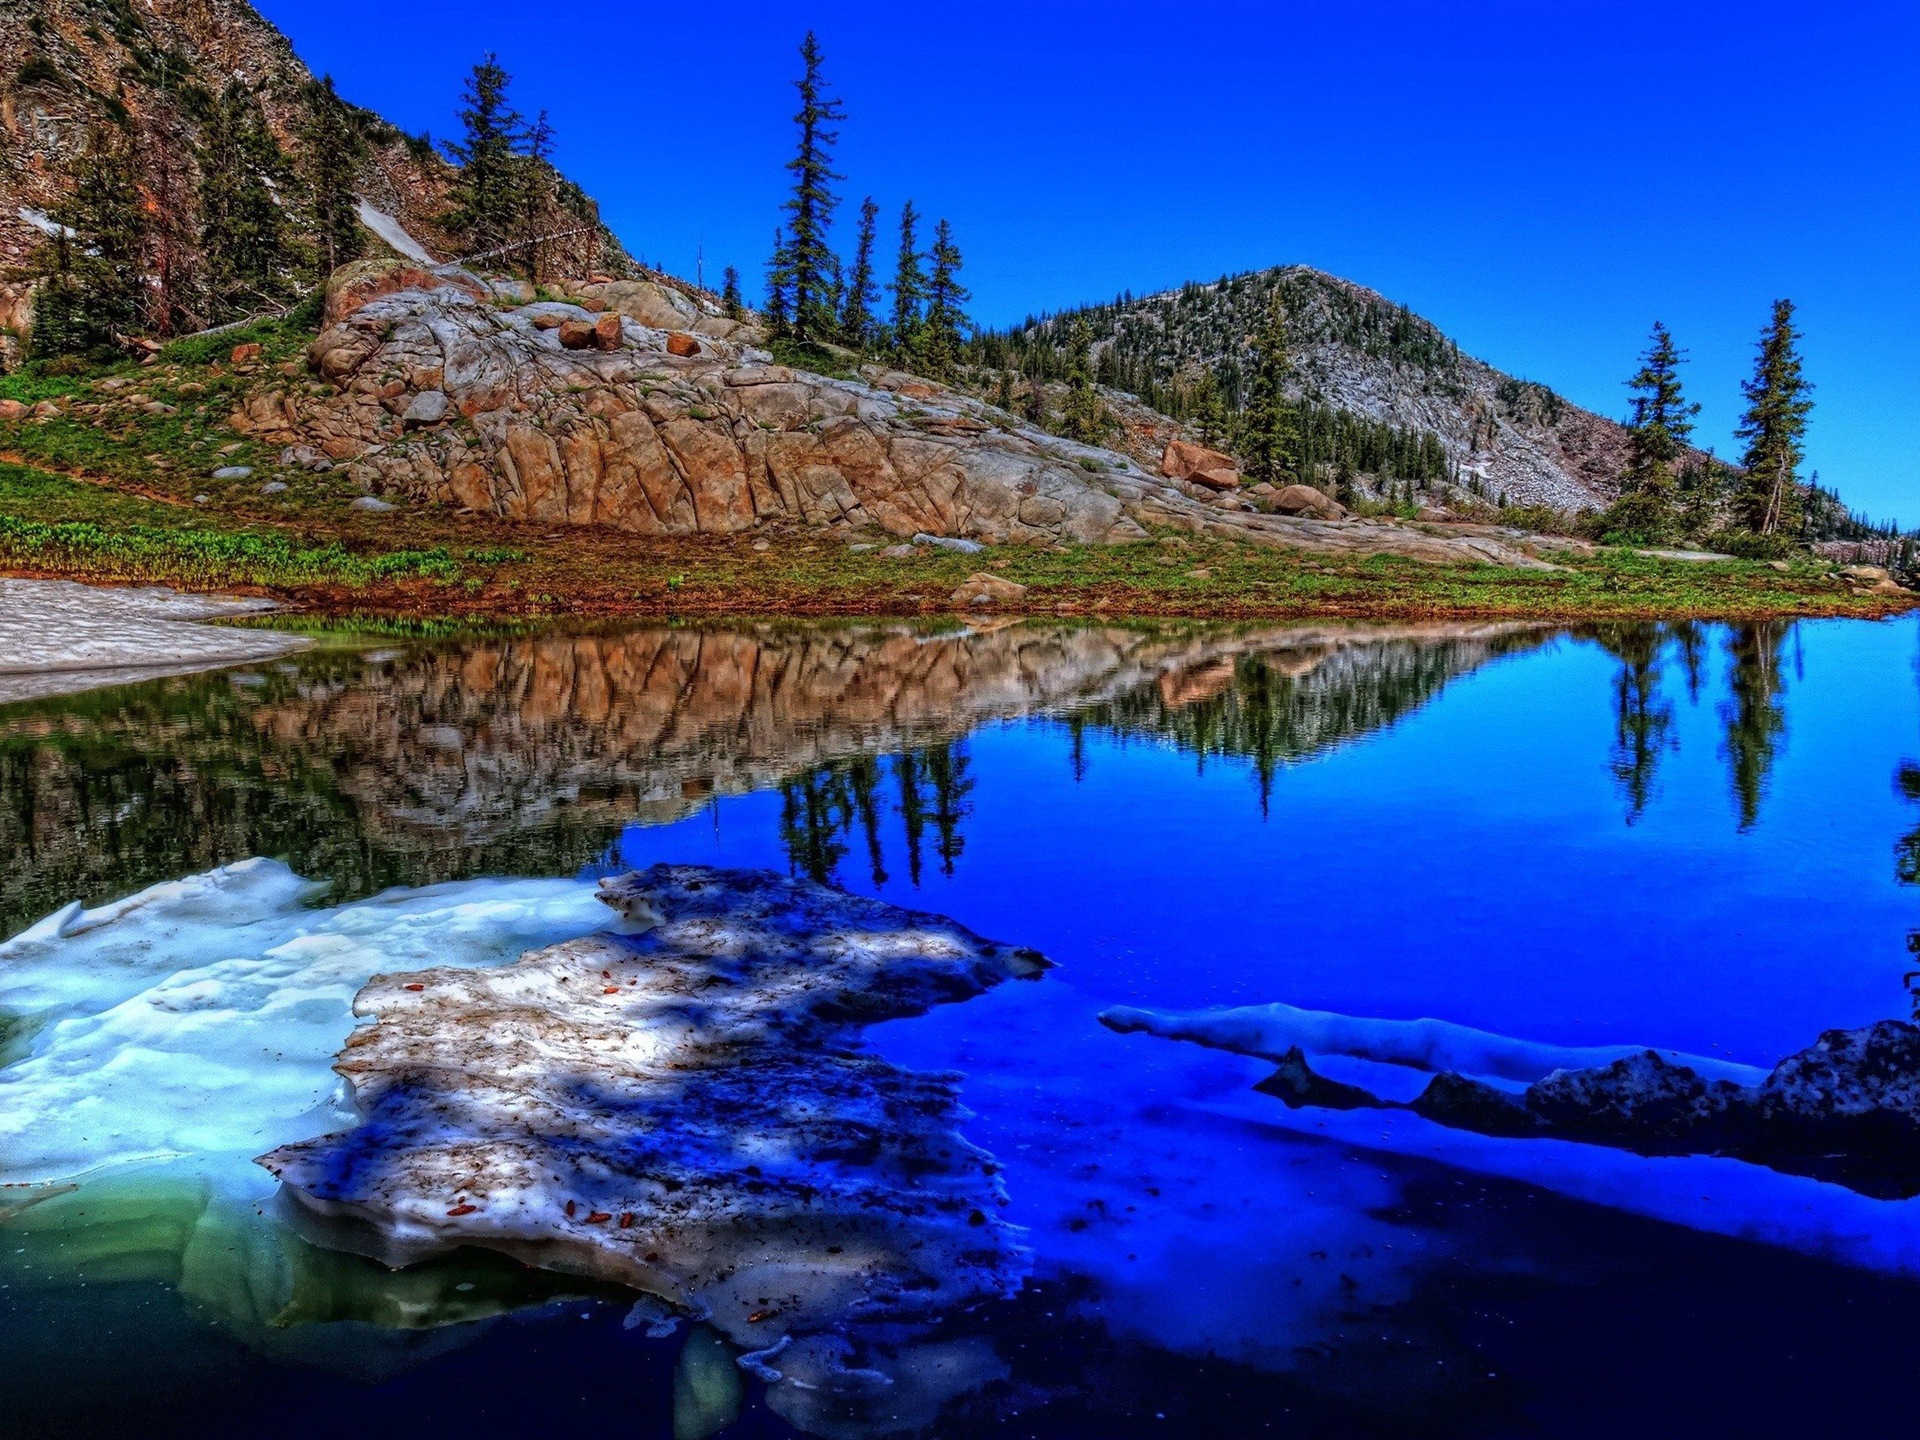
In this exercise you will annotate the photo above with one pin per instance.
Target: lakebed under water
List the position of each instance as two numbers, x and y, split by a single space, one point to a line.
1694 837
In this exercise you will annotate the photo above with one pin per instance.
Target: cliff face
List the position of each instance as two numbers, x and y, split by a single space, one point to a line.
1354 350
147 72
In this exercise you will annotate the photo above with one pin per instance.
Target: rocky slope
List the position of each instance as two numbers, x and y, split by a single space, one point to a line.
1356 351
148 73
639 409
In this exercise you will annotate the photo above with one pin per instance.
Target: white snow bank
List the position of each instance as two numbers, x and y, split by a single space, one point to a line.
202 1016
57 636
43 222
1267 1032
390 230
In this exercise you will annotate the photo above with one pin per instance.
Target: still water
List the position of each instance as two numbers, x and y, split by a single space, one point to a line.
1695 837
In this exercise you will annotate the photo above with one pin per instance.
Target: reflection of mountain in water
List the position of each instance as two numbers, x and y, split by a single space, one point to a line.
1292 697
528 755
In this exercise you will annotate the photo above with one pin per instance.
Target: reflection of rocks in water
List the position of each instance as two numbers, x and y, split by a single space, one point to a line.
528 755
687 1111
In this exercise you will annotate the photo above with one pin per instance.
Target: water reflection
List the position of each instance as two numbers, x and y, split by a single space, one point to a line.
528 756
1754 713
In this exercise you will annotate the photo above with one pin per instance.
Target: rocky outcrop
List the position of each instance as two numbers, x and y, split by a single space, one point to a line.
1847 1109
685 1110
673 432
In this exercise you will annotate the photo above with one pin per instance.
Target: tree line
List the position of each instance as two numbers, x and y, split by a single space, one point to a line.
163 233
813 299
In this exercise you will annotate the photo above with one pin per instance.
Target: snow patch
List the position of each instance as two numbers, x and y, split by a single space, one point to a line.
392 232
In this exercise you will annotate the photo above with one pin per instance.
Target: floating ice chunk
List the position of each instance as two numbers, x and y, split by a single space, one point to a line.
1269 1031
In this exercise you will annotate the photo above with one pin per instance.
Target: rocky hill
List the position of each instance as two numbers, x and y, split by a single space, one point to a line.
1353 351
629 405
146 75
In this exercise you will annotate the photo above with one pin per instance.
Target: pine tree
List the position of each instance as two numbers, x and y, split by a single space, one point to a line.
947 298
1271 434
174 298
807 259
856 315
730 303
909 287
243 231
486 193
779 309
1773 427
1658 429
335 149
539 194
93 291
1210 410
1084 418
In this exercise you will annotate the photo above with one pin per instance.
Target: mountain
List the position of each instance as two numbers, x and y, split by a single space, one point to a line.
146 74
1353 351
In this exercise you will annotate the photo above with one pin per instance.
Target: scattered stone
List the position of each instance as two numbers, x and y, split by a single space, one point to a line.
517 291
201 499
862 547
245 354
897 552
233 472
274 487
682 344
547 320
981 588
12 410
761 545
577 334
372 504
949 542
606 332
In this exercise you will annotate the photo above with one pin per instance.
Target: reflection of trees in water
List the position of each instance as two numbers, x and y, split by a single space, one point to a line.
1642 715
1279 707
1753 717
821 809
1754 714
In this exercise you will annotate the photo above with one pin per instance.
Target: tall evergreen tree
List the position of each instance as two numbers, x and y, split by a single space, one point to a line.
730 302
1083 418
94 288
1661 422
1271 442
174 299
243 231
856 315
1774 426
539 194
486 193
946 319
808 259
334 150
909 287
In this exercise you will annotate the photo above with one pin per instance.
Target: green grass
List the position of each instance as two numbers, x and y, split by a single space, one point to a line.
91 533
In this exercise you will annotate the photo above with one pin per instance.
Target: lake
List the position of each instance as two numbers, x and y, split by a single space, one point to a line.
1700 838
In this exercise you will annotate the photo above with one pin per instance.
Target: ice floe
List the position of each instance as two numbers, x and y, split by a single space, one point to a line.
687 1109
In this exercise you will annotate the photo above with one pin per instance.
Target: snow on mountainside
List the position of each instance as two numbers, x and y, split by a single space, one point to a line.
1354 350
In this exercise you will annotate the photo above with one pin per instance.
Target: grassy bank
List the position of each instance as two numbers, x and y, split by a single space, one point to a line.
119 486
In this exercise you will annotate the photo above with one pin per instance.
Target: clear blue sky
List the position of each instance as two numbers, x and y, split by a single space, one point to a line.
1541 178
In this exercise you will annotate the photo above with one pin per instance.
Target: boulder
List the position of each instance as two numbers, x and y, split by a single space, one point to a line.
13 411
429 407
245 354
1216 479
981 588
1184 460
577 334
606 331
682 344
1305 500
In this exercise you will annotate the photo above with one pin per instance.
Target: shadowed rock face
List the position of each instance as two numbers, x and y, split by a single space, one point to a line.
687 1110
528 755
567 414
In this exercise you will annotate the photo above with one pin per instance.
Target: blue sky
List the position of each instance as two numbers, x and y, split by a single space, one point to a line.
1541 178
